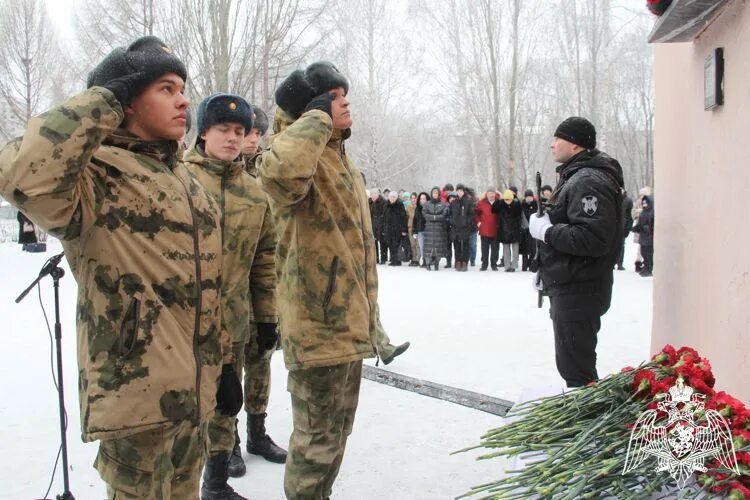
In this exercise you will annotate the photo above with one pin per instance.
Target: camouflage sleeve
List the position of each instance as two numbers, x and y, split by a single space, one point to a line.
43 172
263 275
288 166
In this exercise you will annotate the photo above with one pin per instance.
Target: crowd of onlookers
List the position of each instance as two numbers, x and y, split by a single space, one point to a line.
445 223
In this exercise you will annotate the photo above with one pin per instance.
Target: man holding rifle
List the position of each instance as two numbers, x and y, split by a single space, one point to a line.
579 237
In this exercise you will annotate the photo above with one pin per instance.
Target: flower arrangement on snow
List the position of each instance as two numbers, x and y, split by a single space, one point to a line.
619 436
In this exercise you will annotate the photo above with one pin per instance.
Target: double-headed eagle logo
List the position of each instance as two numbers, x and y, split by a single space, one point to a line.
680 445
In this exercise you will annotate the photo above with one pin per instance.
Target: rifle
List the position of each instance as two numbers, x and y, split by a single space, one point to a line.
535 264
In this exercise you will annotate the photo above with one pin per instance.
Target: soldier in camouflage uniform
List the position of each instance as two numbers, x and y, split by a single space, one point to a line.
264 340
248 274
328 310
141 236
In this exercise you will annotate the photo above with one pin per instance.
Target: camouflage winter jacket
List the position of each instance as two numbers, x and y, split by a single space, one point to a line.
248 240
325 260
141 236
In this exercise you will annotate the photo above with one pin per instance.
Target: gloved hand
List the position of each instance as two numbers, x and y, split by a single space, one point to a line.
539 225
229 394
536 282
322 102
126 88
268 336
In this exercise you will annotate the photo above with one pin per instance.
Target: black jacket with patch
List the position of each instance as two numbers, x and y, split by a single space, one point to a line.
582 246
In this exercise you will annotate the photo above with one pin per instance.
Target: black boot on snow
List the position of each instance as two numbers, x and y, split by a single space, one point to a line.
215 477
237 466
260 443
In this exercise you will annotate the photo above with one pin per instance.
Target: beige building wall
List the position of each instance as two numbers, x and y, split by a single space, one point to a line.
702 202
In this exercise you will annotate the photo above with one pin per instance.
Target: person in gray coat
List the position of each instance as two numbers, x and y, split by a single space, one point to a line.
435 232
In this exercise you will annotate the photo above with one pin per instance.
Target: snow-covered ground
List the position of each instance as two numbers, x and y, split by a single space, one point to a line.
477 331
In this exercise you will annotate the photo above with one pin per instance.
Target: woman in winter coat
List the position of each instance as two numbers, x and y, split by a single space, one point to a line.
527 247
377 208
509 233
411 213
462 222
394 226
419 225
26 230
645 229
435 232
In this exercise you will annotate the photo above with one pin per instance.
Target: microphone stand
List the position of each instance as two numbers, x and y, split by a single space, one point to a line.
51 268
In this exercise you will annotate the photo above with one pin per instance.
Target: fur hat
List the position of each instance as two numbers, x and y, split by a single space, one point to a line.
147 55
223 108
260 120
301 87
578 131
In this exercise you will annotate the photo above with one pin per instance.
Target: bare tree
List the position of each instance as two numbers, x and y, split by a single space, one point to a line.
102 25
374 48
28 49
241 46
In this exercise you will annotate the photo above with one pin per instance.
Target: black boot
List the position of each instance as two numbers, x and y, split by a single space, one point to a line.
215 477
237 466
396 352
260 443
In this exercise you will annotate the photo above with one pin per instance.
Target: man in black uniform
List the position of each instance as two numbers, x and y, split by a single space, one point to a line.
581 235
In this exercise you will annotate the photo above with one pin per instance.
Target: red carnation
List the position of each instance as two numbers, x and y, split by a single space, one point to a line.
667 356
660 387
658 7
738 490
643 380
743 457
682 351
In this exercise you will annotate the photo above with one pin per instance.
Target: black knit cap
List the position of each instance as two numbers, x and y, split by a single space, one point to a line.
260 120
302 86
578 131
147 55
224 108
528 192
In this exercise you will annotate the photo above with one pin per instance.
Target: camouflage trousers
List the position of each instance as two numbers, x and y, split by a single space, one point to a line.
257 376
221 427
324 401
156 465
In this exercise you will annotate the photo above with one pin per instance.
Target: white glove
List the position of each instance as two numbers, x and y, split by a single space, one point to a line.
539 225
536 282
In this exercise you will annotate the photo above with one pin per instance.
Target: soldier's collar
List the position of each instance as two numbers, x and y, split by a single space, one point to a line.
221 168
164 150
339 135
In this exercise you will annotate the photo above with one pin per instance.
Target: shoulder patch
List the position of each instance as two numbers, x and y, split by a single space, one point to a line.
590 204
